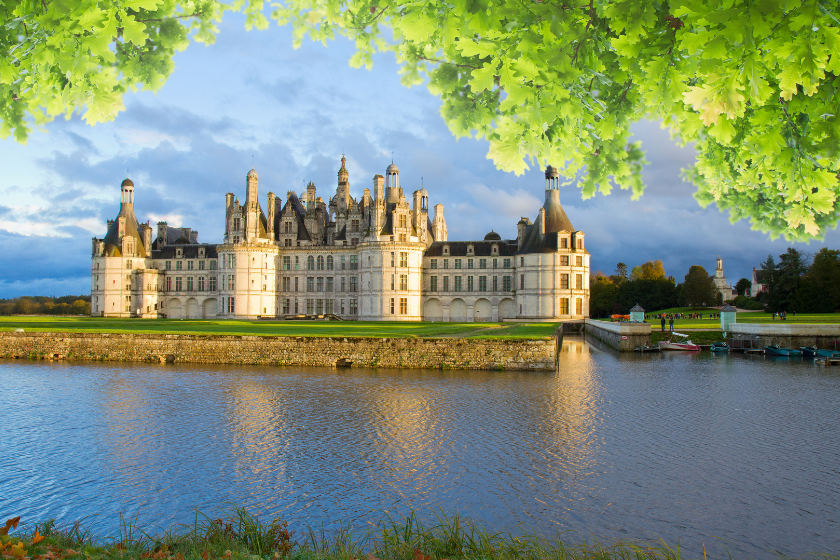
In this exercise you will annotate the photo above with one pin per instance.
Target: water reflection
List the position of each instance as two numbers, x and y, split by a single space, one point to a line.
697 447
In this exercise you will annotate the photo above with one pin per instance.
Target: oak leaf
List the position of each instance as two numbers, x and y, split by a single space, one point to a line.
37 538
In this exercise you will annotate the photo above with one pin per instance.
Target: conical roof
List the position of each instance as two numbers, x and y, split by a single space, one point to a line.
555 217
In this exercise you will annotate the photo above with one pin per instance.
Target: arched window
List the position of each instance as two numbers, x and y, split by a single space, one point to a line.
320 262
310 263
329 262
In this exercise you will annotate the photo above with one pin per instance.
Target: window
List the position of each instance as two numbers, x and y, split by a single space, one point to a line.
287 227
286 306
482 283
403 306
200 265
297 286
310 306
287 262
212 265
297 262
201 283
392 306
446 283
521 261
403 281
579 246
564 260
579 306
354 225
354 284
506 284
458 283
179 284
342 262
287 242
433 264
403 259
329 283
320 262
342 283
189 283
236 223
231 282
354 262
579 281
393 285
286 283
329 262
319 307
522 281
579 261
506 263
433 284
310 284
402 220
169 284
469 264
564 281
179 265
445 263
495 261
564 243
470 286
190 265
495 283
354 306
320 283
328 306
393 263
168 265
310 263
564 306
354 242
231 305
212 284
457 263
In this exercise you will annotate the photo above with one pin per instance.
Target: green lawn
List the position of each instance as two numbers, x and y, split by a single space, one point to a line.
742 317
278 328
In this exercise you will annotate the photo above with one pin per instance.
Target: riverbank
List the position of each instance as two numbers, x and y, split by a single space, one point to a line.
338 351
244 536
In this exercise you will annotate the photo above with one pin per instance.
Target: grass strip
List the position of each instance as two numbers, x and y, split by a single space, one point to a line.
244 536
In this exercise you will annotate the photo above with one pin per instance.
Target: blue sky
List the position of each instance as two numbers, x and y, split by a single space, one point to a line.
252 97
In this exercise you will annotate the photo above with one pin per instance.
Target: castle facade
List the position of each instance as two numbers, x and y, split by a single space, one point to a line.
377 258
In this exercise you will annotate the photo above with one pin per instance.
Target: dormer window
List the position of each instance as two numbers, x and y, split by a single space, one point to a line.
564 242
495 249
470 250
179 253
446 249
201 252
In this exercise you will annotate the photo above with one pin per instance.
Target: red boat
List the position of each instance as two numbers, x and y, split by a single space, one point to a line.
678 341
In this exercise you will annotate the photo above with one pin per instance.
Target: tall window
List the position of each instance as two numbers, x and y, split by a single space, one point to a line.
179 265
231 305
189 283
402 220
168 265
522 281
212 265
403 306
179 284
320 262
329 283
354 306
236 223
354 262
579 306
297 262
190 265
579 281
445 263
169 284
231 282
392 306
393 262
310 284
469 283
433 283
354 284
579 261
433 264
320 283
310 306
342 262
286 306
495 283
286 283
469 264
329 262
403 281
564 306
506 284
564 260
457 283
310 263
201 283
342 283
393 284
506 263
212 282
403 259
482 283
287 262
200 265
287 228
564 243
564 281
446 283
457 263
354 225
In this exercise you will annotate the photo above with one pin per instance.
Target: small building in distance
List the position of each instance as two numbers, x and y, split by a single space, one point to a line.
381 256
726 291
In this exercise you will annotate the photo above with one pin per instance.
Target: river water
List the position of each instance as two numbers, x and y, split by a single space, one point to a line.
740 453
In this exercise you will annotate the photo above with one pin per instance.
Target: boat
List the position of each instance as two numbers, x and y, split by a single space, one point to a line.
720 347
814 352
775 350
678 341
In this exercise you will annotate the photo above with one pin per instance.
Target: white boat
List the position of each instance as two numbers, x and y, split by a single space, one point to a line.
678 341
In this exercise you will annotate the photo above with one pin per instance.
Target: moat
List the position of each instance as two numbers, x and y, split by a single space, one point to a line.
735 452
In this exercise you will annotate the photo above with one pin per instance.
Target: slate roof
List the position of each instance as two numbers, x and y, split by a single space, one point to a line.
190 251
481 248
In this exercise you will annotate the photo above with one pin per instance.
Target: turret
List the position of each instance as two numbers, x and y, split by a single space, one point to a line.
439 224
127 195
161 234
392 184
251 188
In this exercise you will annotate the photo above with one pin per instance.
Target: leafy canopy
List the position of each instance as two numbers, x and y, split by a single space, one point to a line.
755 84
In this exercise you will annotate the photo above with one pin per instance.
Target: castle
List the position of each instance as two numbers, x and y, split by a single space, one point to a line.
373 259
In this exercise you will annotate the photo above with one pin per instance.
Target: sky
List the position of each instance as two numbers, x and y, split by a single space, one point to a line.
251 99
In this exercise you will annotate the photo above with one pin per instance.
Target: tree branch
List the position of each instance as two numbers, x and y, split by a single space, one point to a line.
170 17
376 17
447 62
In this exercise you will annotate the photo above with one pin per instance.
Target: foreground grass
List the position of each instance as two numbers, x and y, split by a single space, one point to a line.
382 329
243 536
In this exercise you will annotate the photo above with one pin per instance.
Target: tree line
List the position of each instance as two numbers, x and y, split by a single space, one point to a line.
45 305
794 284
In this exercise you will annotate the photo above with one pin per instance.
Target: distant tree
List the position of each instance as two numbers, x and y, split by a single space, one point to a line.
699 287
651 270
621 270
768 280
27 306
743 286
823 282
788 279
80 307
602 296
651 294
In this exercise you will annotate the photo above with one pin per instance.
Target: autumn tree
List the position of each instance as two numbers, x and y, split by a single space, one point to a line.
752 84
698 288
651 270
602 296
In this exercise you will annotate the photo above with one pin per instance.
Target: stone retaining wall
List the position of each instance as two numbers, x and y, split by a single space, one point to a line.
620 336
454 353
786 335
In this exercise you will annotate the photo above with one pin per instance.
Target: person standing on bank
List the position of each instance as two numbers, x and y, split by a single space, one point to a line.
663 323
671 323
